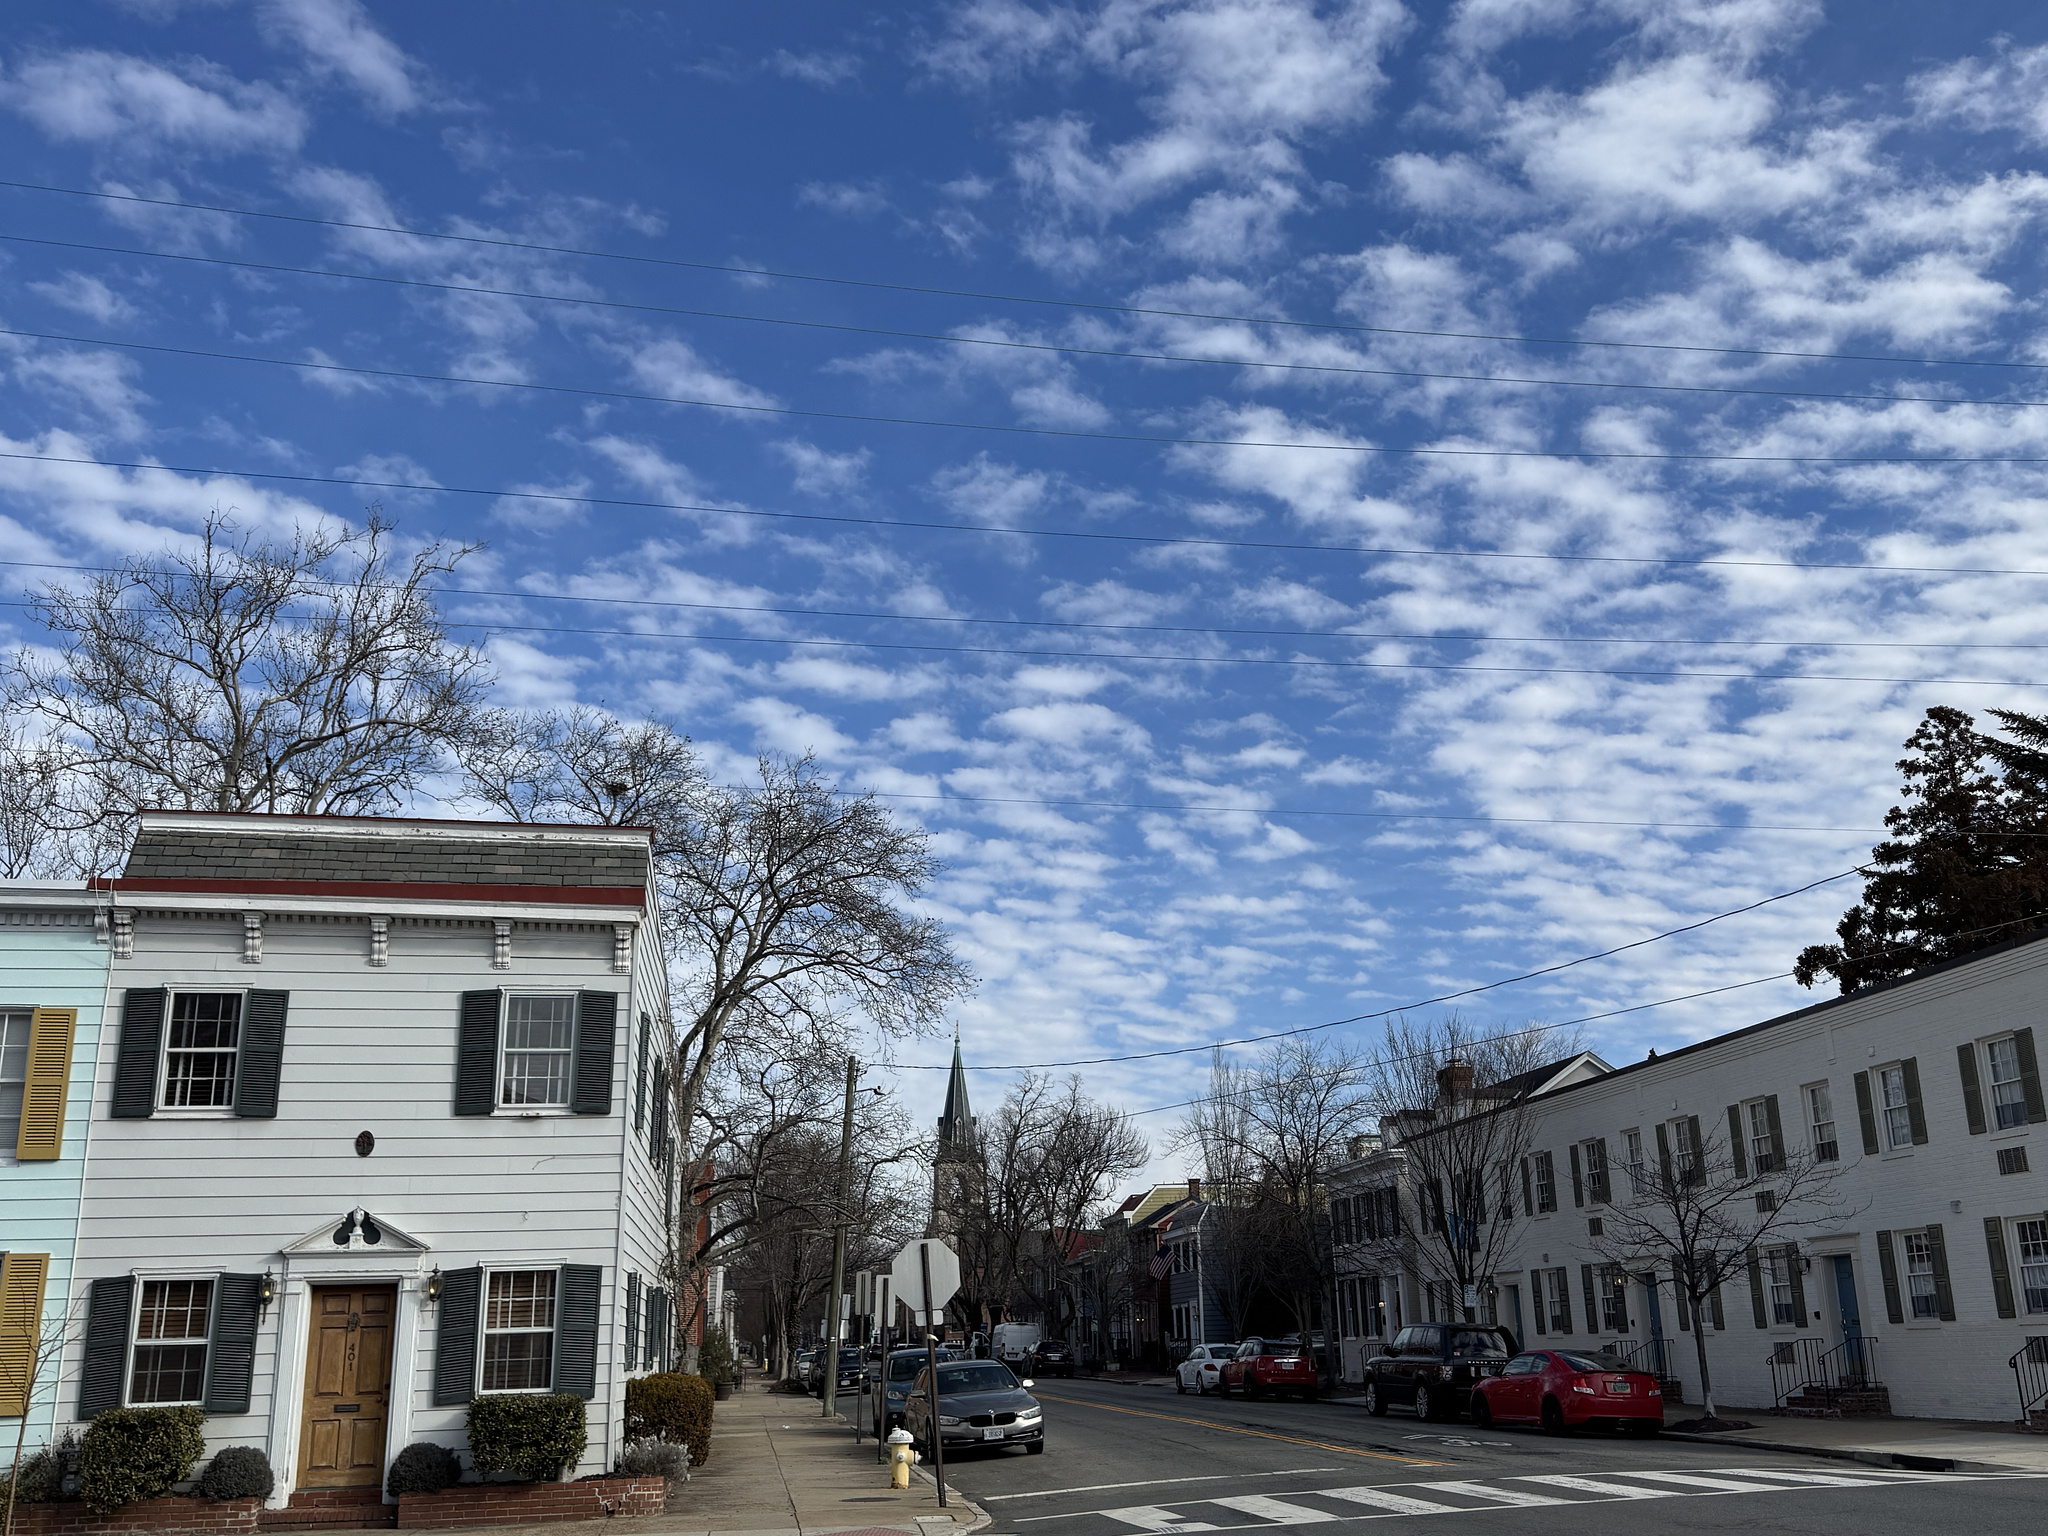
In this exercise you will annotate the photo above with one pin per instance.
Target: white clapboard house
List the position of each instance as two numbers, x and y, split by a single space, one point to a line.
379 1124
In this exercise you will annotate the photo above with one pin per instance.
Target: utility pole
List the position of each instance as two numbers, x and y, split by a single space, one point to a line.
832 1334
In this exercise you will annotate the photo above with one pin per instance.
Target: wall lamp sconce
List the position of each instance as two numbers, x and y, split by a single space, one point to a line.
268 1292
434 1285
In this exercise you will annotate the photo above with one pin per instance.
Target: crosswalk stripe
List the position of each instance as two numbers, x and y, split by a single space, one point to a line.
1275 1509
1606 1490
1492 1495
1876 1477
1150 1517
1691 1480
1381 1498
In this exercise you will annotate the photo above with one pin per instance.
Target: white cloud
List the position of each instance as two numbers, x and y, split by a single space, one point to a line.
819 472
114 100
2008 90
816 67
338 40
991 492
850 199
84 295
672 367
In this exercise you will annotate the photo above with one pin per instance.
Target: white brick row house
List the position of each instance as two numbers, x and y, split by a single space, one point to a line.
1924 1100
379 1124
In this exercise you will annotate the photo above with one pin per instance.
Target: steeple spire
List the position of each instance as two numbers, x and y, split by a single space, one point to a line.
956 1121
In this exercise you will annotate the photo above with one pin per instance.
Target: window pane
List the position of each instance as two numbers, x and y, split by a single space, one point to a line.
14 1030
519 1331
540 1033
2034 1264
166 1371
1898 1118
1920 1275
2008 1096
199 1056
518 1362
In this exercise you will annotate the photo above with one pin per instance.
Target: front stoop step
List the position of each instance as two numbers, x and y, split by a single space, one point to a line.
342 1509
1842 1403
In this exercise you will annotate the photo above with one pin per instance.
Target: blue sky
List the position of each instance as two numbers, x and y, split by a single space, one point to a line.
1776 175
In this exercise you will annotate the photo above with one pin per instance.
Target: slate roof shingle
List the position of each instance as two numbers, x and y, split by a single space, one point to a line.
173 853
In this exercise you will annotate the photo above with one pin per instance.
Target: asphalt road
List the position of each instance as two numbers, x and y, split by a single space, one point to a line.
1123 1460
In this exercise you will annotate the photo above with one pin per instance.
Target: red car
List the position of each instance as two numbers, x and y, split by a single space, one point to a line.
1268 1365
1564 1388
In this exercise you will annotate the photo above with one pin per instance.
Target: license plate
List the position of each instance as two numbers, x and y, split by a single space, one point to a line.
995 1433
1621 1386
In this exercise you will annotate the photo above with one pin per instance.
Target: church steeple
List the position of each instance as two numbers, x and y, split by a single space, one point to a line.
956 1120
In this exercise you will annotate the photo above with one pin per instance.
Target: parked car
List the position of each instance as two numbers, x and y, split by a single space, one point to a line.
1052 1357
1432 1368
981 1402
1202 1368
1268 1365
904 1364
1564 1388
852 1372
1012 1344
804 1360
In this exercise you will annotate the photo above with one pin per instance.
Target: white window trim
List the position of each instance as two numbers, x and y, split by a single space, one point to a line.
1913 1317
483 1329
2019 1265
1990 1092
1889 1148
163 1060
1750 1109
533 1111
1806 1114
146 1277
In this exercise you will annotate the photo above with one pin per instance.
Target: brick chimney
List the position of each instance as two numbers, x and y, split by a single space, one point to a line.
1454 1081
1194 1189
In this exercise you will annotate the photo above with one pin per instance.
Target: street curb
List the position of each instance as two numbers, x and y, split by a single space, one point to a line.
1892 1460
982 1518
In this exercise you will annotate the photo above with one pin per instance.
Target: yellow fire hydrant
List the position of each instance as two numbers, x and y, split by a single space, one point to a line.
901 1458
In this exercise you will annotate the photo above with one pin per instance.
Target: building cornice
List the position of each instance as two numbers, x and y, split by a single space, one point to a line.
383 895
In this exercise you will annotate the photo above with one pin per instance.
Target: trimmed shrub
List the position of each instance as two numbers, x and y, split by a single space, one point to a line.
673 1406
656 1458
239 1472
531 1436
423 1467
132 1454
34 1482
714 1358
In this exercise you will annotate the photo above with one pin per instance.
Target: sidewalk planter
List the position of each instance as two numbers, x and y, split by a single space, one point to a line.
217 1517
523 1503
721 1390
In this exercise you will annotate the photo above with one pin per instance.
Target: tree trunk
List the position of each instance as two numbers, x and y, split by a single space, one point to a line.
1699 1344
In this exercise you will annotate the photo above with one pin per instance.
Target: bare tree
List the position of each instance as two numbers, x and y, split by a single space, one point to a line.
1451 1099
585 764
31 1372
311 676
1712 1216
36 822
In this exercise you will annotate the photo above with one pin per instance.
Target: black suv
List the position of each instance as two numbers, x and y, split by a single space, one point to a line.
853 1373
1432 1366
1052 1357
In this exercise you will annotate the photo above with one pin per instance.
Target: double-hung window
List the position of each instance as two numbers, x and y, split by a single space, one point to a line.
519 1331
1546 1183
1898 1116
1688 1145
15 1024
171 1328
2008 1094
2033 1237
1632 1157
1920 1286
1613 1300
1820 1118
1763 1149
536 1064
200 1050
1596 1169
1778 1264
1557 1300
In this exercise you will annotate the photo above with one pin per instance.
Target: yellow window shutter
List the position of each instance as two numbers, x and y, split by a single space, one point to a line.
49 1080
21 1324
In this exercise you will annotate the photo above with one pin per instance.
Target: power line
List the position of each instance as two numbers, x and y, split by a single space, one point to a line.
1427 1002
1011 343
565 498
756 273
1007 430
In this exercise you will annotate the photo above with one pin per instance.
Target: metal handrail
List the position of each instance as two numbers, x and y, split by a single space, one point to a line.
2030 1375
1651 1355
1802 1365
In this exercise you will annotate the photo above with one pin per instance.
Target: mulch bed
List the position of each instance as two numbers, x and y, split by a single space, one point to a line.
1708 1426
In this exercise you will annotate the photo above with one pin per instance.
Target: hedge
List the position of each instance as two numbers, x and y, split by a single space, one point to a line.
423 1467
531 1436
239 1472
132 1454
671 1405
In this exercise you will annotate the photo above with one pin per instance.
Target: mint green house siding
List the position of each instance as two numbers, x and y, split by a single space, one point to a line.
53 954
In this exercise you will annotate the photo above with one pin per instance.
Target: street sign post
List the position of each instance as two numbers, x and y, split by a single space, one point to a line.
930 1271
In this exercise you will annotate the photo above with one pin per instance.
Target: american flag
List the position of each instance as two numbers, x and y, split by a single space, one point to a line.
1162 1262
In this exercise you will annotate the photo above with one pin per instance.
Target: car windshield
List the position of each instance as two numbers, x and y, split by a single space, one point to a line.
1474 1341
1594 1362
975 1376
848 1358
904 1367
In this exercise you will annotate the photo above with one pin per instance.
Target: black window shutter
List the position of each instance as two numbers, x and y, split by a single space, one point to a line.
2030 1075
632 1322
1735 1147
597 1015
1663 1154
1916 1116
657 1140
262 1059
2001 1272
106 1340
1944 1293
1528 1191
640 1079
1888 1267
1699 1149
1714 1306
1592 1299
1597 1177
231 1351
1790 1256
1578 1182
1756 1289
142 1040
1777 1131
1684 1301
576 1329
1866 1116
476 1059
455 1342
1973 1095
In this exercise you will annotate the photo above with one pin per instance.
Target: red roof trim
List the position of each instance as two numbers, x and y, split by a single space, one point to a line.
391 890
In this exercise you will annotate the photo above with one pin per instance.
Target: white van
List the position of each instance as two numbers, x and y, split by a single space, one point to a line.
1012 1343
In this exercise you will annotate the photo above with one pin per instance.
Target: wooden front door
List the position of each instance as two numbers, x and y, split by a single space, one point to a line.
348 1387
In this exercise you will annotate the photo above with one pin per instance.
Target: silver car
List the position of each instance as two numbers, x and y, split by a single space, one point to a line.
1198 1373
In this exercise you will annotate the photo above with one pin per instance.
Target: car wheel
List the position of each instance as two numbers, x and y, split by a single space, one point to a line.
1425 1404
1375 1402
1482 1411
1553 1416
1252 1388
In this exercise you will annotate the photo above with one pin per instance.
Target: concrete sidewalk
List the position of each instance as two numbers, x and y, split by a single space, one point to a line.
1924 1445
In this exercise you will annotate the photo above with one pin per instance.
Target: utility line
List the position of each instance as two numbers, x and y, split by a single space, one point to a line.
1011 343
565 498
1003 429
1427 1002
757 273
